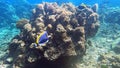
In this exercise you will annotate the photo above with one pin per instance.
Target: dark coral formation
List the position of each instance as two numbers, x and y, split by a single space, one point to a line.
69 27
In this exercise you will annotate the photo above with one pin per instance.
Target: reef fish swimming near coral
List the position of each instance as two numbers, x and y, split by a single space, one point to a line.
42 38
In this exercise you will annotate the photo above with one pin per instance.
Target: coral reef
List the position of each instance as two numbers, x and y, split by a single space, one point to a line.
10 12
6 35
69 27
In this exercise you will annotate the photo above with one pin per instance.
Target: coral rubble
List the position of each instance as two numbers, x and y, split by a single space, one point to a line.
110 60
69 27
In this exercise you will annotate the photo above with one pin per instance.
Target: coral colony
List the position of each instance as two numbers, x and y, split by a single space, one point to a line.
69 27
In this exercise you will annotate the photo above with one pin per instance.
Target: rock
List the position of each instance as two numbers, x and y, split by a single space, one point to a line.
27 27
110 58
20 24
95 7
69 28
116 49
9 60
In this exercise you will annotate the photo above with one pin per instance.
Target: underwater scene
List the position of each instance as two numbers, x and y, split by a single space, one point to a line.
59 33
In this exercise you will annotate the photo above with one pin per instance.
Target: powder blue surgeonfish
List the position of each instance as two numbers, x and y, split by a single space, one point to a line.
42 38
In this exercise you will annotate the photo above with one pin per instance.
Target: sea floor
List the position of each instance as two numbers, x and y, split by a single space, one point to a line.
102 44
107 38
6 35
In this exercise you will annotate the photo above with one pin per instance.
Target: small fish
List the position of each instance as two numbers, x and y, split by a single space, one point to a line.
42 38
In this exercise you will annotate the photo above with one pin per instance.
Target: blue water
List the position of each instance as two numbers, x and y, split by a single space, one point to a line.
13 10
77 2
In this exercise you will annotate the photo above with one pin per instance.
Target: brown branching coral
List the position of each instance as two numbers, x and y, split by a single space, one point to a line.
69 27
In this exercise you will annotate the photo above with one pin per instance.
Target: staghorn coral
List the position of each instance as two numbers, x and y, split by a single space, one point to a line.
69 27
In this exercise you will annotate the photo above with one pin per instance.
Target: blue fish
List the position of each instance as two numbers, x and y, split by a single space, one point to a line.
42 38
